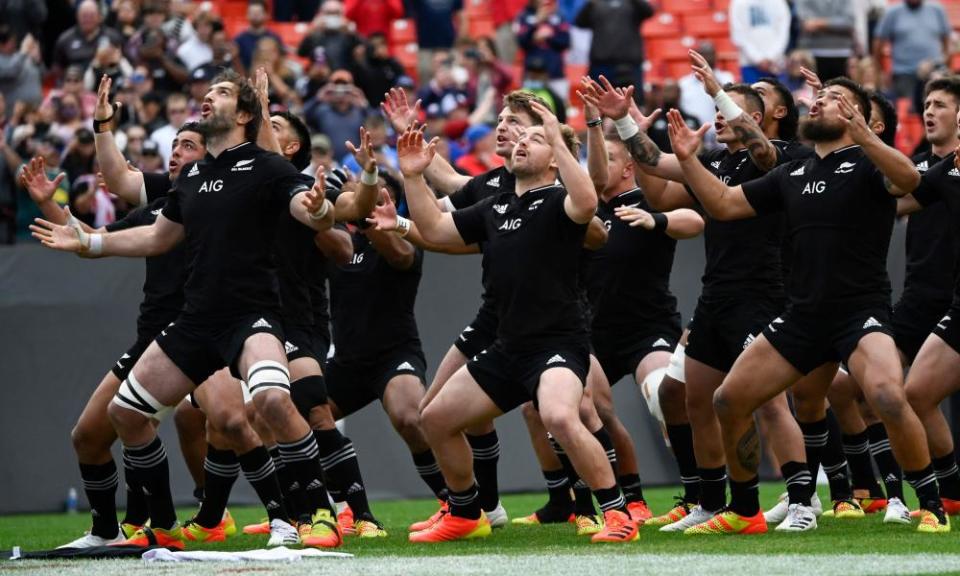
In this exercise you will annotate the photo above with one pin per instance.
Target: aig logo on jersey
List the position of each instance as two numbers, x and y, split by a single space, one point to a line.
243 165
211 186
817 187
511 224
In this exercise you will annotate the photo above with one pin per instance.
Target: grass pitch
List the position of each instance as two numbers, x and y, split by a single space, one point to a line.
842 547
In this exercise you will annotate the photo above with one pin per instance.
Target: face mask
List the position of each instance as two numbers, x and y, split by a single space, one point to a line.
332 21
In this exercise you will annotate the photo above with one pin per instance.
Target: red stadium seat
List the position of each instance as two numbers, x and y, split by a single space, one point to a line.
662 25
953 13
403 31
670 48
706 24
234 26
231 9
722 5
406 55
291 33
481 27
478 8
686 6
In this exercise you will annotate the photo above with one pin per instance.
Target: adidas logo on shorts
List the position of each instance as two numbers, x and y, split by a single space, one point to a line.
871 323
556 359
661 343
797 172
261 323
748 341
289 347
406 366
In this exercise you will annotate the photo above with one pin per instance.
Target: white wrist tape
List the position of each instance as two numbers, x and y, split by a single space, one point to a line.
321 212
370 178
727 106
96 244
403 226
626 127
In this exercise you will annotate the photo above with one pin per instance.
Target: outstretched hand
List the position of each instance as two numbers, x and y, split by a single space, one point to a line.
643 122
612 102
364 154
384 215
551 125
812 79
315 197
396 109
62 237
104 109
635 216
704 73
33 177
413 156
684 141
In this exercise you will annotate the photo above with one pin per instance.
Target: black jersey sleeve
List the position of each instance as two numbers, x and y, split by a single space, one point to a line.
172 209
469 195
155 185
471 222
929 192
128 221
764 194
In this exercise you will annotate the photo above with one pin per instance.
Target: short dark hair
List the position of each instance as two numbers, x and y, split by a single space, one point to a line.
888 114
6 33
862 96
752 97
301 159
786 126
949 84
193 127
247 100
519 101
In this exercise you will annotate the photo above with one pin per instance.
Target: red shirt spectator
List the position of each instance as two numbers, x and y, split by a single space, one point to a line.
482 157
372 16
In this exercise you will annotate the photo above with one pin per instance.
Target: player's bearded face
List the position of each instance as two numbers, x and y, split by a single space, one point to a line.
824 124
219 111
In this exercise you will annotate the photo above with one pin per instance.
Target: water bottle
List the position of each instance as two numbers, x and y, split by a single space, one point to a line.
71 504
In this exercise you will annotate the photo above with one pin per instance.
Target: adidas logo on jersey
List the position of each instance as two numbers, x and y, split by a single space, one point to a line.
500 208
261 323
193 171
954 172
871 323
156 212
289 347
495 182
845 168
272 505
715 165
923 166
797 172
243 165
556 359
661 343
406 366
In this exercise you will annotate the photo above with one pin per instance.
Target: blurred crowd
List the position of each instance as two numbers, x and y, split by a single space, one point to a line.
343 57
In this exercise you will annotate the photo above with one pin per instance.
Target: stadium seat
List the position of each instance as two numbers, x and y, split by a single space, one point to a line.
234 26
686 6
953 13
670 48
406 55
706 24
291 33
662 25
403 31
478 8
231 9
722 5
481 27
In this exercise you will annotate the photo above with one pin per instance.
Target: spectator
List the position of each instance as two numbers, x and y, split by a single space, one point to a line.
373 16
617 48
125 18
135 137
338 110
198 49
318 74
78 44
386 155
482 157
109 60
67 117
916 32
24 17
375 70
321 154
796 82
544 35
226 53
670 97
485 72
19 68
150 111
198 86
331 31
283 72
49 148
177 111
150 158
760 29
247 40
9 162
299 10
73 84
827 31
435 28
537 81
79 156
442 91
694 101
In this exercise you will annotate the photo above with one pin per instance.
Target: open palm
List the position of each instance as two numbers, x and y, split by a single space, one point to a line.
413 156
34 179
684 141
384 215
56 236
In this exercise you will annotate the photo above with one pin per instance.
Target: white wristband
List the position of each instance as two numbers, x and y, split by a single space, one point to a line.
403 226
626 127
370 178
96 244
322 212
726 106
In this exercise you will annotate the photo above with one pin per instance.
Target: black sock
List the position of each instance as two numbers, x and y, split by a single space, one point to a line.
220 471
713 488
796 475
888 466
815 436
948 476
681 441
924 482
856 447
342 471
301 457
745 497
261 473
429 471
283 476
100 483
465 504
558 486
607 443
611 499
834 463
486 455
632 487
151 466
137 512
583 497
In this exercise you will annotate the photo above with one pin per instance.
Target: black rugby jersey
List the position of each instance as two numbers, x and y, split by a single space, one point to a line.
230 208
532 252
743 256
479 187
932 247
166 273
628 279
941 182
839 217
156 185
372 303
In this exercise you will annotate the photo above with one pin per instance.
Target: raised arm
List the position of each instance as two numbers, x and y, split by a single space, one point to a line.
357 205
396 250
158 238
266 137
581 201
596 150
117 175
435 225
745 126
900 172
384 218
721 201
679 224
311 207
596 236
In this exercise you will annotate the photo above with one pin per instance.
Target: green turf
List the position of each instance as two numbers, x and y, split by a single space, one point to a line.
865 536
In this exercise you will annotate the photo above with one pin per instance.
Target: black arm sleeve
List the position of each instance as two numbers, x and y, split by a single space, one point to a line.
764 194
156 185
471 222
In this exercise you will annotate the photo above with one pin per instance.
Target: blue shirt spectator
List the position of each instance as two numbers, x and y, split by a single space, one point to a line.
543 33
917 31
434 20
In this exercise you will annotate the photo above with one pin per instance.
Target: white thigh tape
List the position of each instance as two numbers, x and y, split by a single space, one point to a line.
133 396
267 374
675 368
